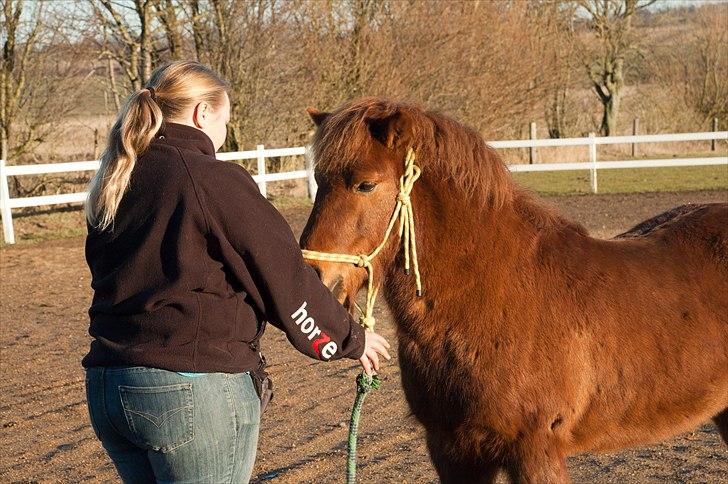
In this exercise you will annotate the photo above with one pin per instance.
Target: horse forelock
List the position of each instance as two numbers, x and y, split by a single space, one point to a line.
445 148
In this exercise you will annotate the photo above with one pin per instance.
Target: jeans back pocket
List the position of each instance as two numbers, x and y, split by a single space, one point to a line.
161 417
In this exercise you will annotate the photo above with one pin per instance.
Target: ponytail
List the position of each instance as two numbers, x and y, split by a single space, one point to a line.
136 125
172 89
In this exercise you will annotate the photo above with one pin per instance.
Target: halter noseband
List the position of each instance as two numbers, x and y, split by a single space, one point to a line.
403 212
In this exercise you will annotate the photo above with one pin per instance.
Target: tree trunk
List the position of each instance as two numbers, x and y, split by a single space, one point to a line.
112 81
612 21
168 17
145 41
4 121
4 149
556 112
607 117
198 31
7 97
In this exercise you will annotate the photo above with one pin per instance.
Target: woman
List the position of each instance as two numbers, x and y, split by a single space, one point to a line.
188 261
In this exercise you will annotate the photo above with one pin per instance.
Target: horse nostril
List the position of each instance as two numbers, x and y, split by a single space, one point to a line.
336 286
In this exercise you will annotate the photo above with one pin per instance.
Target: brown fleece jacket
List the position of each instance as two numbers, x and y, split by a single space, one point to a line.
196 260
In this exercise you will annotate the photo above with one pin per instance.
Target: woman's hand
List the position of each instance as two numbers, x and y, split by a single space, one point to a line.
374 345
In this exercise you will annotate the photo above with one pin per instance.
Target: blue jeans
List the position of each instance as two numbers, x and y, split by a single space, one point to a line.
160 426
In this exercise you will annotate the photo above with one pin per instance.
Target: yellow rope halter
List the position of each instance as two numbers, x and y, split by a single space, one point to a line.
403 212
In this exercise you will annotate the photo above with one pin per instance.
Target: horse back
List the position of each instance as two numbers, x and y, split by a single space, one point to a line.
702 225
710 217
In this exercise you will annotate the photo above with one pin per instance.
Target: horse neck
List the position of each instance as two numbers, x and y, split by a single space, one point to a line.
459 243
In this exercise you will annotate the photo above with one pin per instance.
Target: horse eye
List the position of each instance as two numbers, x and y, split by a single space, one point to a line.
366 187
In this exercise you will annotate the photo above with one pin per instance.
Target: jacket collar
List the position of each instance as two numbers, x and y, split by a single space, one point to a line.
187 137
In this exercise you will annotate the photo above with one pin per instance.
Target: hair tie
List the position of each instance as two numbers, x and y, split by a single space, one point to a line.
151 93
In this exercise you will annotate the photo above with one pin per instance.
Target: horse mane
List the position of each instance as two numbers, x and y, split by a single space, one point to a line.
541 214
443 146
452 151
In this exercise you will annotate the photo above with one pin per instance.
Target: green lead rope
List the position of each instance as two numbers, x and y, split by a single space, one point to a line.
364 384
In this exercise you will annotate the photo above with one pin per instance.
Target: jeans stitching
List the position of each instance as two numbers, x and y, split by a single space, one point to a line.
153 419
156 389
188 408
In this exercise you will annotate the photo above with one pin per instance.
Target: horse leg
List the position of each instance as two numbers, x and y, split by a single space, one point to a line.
538 460
461 470
721 421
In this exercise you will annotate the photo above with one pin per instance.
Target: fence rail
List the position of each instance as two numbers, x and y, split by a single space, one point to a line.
611 140
262 177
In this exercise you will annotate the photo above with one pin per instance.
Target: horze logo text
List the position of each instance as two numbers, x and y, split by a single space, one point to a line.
308 326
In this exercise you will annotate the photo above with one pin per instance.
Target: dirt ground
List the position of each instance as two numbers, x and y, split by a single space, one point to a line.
46 436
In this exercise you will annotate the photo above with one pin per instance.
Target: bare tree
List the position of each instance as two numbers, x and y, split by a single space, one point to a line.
168 13
494 65
253 47
348 47
483 61
128 33
363 14
36 88
611 22
704 67
562 68
687 75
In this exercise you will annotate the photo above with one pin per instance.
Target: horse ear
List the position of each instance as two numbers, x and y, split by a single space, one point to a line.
317 116
392 130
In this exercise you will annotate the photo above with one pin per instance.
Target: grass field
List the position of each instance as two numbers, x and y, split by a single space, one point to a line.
636 180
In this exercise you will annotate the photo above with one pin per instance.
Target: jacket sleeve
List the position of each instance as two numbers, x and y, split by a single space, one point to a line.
267 261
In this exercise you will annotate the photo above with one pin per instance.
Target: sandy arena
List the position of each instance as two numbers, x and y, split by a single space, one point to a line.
46 436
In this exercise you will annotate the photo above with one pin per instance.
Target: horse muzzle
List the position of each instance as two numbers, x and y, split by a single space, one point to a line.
343 280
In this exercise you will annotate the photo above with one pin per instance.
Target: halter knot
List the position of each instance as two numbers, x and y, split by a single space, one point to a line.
404 198
363 261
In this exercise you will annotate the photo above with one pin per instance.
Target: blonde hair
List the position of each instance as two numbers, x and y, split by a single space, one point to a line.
171 91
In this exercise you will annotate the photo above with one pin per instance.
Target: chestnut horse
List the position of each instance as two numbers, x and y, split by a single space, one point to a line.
532 340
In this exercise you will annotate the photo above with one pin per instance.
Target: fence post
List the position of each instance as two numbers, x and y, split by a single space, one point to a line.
7 215
532 155
261 169
312 185
593 161
635 130
715 128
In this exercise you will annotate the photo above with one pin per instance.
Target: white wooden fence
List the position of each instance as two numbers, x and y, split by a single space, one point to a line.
592 142
262 178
